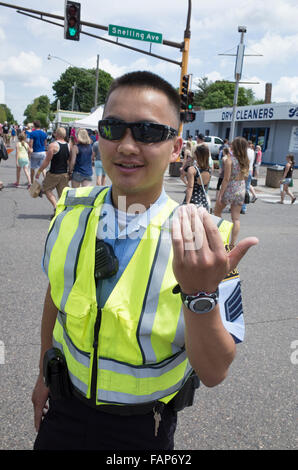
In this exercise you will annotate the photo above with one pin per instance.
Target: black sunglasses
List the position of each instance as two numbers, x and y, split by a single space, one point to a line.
146 132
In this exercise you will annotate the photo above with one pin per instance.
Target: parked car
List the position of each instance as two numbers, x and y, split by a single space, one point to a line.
214 143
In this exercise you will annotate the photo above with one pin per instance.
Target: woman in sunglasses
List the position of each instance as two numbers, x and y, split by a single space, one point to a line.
126 349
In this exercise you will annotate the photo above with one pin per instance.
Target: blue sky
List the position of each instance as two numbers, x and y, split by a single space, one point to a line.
25 71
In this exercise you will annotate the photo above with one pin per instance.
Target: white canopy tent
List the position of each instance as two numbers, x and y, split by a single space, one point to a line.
89 122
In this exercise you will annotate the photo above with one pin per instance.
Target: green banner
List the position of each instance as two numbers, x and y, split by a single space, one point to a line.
130 33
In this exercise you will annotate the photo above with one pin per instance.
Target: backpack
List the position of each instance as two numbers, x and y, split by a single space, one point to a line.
3 152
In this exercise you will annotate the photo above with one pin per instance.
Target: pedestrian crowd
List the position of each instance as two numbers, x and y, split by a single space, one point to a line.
70 161
239 162
60 160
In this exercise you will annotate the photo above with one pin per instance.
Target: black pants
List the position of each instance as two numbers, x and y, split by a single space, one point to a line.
72 425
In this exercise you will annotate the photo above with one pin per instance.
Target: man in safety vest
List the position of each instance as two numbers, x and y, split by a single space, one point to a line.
143 297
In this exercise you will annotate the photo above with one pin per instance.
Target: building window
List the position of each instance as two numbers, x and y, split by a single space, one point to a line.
258 135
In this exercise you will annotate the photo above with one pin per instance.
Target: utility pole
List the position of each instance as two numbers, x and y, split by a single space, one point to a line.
96 85
73 95
238 72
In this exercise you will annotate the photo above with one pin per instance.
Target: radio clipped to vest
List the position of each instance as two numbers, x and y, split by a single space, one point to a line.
55 374
106 262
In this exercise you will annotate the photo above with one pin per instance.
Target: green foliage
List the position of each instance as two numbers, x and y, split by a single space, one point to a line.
2 115
85 80
202 91
7 114
40 110
219 94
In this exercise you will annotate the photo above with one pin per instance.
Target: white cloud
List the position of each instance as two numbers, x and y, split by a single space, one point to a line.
105 64
286 89
2 35
273 47
41 82
26 63
2 92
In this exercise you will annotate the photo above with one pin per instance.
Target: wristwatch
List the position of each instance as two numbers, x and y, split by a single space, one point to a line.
202 302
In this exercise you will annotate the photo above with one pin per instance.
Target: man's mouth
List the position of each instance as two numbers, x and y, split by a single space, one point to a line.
129 165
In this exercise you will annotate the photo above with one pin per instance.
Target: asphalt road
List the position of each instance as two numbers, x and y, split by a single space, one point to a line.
254 408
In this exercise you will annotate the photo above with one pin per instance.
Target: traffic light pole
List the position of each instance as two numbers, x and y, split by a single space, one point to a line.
185 55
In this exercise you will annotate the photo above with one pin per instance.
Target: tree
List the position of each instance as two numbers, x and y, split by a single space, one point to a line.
219 94
39 110
2 114
202 90
85 80
8 114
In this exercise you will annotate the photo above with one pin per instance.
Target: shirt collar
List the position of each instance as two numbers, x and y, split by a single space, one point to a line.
140 222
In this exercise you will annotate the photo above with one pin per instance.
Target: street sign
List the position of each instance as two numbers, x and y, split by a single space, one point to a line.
130 33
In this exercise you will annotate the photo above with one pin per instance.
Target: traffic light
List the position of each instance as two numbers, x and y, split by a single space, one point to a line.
190 116
190 98
184 91
187 116
72 20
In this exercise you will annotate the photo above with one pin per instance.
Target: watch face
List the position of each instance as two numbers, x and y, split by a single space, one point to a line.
201 305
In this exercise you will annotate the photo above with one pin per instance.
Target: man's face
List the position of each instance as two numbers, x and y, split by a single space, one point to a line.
143 182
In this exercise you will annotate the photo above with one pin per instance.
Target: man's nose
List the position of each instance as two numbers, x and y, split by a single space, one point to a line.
127 144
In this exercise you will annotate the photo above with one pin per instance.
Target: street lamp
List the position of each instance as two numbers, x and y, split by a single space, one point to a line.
59 58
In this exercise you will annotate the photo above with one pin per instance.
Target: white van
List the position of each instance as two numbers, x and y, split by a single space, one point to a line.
214 143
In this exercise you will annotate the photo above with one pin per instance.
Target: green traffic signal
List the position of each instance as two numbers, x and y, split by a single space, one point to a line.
72 31
72 20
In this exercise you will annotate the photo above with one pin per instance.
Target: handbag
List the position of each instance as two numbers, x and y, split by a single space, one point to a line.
208 203
206 200
35 189
246 197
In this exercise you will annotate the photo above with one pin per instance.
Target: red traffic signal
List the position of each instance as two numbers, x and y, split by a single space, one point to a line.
187 116
72 20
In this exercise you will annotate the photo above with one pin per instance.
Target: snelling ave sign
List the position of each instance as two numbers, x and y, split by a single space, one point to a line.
130 33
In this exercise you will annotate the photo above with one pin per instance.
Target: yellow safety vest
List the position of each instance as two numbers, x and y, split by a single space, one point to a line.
131 351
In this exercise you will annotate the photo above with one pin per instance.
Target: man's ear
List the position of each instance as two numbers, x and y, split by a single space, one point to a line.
176 149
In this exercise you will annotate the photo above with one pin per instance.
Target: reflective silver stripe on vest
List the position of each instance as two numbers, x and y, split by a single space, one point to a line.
52 237
72 256
151 299
142 372
80 356
72 200
111 396
179 340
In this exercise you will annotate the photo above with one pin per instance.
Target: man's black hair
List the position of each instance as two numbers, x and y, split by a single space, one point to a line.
148 80
37 123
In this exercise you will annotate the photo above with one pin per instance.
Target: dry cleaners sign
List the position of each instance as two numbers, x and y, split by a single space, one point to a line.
281 111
